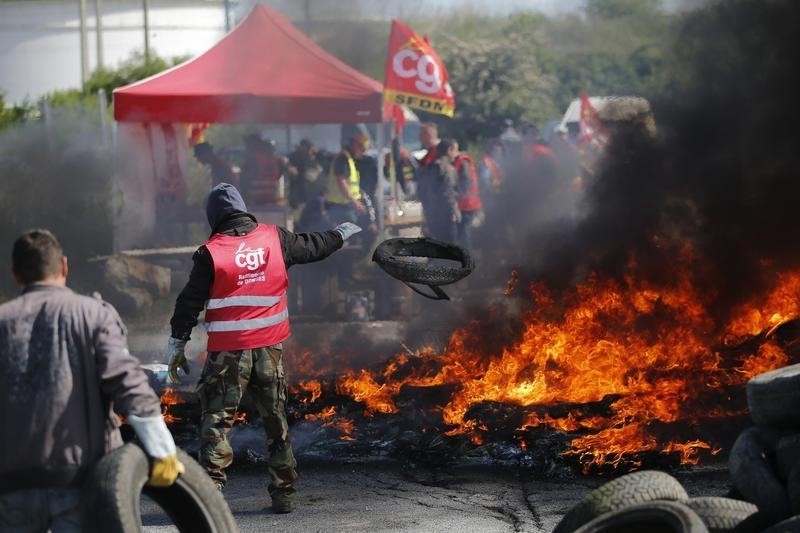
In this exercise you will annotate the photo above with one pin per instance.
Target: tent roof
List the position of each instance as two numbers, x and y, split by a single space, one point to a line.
264 71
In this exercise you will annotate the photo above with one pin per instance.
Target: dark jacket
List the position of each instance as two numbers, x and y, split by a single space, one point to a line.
298 248
64 365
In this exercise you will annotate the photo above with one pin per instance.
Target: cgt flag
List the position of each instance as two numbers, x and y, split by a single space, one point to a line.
415 76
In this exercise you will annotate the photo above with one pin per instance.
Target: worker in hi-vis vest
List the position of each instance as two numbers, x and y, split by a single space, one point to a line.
239 276
343 202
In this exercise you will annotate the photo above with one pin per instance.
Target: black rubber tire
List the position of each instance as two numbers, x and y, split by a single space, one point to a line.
787 454
631 489
110 500
649 517
773 397
793 489
390 253
790 525
753 473
721 514
755 523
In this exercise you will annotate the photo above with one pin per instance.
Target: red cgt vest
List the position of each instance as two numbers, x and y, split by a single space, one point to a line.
247 304
470 200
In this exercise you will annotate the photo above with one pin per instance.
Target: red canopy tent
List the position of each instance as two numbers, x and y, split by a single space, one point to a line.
264 71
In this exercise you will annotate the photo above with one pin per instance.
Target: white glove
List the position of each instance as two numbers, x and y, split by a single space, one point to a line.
154 435
176 358
347 230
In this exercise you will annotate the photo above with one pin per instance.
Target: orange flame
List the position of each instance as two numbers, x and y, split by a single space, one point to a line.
169 398
652 350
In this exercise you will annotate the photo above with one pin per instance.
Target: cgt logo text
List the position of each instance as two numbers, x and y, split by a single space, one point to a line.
247 257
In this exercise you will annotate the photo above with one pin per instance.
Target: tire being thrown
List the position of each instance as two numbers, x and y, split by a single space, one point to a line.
110 500
394 257
649 517
620 493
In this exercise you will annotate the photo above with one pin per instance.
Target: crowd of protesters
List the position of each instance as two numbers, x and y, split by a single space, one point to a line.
322 188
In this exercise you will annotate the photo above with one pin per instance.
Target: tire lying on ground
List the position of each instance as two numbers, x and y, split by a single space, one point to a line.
625 491
790 525
793 489
649 517
773 397
753 473
394 257
721 514
787 454
110 500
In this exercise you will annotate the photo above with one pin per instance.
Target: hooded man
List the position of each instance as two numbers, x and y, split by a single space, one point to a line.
239 276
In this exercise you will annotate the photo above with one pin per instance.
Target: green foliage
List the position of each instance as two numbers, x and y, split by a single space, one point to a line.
494 80
15 114
135 68
612 9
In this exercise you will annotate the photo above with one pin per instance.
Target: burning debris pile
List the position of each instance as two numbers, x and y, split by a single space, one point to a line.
610 375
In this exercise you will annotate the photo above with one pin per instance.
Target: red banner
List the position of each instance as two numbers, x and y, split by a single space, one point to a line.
415 75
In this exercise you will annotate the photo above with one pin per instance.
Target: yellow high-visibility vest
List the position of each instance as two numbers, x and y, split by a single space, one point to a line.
334 194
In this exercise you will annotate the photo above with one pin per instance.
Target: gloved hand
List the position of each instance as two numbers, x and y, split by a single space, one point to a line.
165 471
176 358
158 443
347 230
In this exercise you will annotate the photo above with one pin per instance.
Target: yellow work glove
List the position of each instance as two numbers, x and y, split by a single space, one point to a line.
165 471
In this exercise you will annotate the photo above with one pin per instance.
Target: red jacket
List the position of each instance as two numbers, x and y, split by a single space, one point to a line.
469 198
247 302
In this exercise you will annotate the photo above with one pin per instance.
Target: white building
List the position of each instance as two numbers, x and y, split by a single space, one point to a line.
40 44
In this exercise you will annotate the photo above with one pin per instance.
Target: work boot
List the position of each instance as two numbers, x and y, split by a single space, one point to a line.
283 501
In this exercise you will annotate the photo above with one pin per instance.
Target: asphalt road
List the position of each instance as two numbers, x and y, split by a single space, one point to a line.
383 496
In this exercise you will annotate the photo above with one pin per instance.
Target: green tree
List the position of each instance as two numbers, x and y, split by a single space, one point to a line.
612 9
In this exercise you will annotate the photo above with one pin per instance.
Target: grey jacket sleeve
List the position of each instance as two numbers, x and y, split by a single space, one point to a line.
121 377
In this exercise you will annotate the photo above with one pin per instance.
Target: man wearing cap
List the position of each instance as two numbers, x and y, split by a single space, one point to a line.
343 200
220 169
239 276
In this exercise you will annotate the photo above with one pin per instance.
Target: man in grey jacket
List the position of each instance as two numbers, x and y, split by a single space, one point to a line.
65 370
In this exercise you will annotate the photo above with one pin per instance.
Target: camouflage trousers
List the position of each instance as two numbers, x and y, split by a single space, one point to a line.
226 376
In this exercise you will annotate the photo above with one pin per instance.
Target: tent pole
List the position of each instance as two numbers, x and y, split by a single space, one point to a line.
146 12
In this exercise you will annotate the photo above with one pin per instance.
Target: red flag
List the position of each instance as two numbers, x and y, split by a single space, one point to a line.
415 75
591 127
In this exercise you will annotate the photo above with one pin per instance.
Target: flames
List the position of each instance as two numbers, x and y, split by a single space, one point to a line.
611 362
169 398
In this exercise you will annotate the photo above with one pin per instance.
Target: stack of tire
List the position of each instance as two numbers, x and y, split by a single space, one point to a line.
763 462
652 502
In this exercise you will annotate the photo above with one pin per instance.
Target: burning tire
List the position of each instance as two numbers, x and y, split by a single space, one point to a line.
773 397
110 501
660 516
721 514
393 256
623 492
754 475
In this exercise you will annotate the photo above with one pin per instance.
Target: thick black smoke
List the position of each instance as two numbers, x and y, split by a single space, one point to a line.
722 173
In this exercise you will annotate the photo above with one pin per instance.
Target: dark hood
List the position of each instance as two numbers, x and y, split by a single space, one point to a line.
222 202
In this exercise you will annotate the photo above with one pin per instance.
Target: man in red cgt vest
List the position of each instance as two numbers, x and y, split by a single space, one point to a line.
239 276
